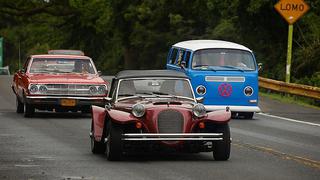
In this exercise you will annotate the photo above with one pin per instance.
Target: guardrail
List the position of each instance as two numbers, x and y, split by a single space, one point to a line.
290 88
4 70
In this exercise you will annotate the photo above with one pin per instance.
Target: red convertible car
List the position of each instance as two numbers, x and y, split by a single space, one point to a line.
61 81
156 110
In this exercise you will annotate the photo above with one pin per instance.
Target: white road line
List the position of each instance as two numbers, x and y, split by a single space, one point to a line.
289 119
26 165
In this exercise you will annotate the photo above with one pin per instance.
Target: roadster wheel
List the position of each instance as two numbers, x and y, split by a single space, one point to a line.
28 110
114 143
96 147
221 149
19 106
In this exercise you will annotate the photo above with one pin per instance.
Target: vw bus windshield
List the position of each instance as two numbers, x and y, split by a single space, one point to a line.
223 59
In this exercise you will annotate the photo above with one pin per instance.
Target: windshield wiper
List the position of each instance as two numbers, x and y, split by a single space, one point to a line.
204 67
232 67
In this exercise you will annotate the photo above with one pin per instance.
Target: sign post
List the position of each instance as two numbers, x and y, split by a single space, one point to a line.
1 52
291 11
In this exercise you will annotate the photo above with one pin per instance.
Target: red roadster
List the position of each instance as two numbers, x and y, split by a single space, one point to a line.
157 110
62 80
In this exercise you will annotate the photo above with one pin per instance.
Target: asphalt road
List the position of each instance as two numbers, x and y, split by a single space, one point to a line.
57 146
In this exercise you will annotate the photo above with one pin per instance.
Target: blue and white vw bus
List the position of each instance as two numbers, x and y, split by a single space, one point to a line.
225 74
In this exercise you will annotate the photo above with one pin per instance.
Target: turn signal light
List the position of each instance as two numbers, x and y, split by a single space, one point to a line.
202 125
138 125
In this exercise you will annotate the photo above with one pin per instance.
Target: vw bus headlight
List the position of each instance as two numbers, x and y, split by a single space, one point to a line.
248 91
43 89
138 110
33 89
201 90
199 110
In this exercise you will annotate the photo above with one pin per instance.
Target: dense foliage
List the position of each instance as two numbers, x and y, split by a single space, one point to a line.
122 34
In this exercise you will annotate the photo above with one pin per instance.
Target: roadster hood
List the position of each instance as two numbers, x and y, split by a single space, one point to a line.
66 78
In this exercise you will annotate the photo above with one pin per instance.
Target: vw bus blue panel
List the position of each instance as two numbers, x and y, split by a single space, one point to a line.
224 73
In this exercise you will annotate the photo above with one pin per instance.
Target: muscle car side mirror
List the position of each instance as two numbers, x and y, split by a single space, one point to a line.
200 99
99 73
260 66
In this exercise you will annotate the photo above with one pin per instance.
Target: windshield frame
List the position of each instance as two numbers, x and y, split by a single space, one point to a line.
155 96
223 68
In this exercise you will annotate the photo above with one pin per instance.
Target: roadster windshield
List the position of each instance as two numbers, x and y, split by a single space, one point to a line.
154 87
61 65
223 59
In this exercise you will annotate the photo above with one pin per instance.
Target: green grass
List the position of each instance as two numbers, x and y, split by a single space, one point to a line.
291 99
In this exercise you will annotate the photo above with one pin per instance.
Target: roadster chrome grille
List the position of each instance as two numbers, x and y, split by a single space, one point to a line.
225 79
68 89
170 121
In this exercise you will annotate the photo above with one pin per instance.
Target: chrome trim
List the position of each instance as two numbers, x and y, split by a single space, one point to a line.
234 108
225 79
62 97
172 137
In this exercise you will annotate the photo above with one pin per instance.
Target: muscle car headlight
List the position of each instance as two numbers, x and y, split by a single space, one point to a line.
248 91
199 110
33 89
138 110
93 90
201 90
102 90
43 89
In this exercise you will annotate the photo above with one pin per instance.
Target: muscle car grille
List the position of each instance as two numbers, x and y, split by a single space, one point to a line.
170 121
68 89
225 79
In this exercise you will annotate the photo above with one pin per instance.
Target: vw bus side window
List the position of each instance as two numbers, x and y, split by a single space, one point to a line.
173 56
180 57
187 58
223 59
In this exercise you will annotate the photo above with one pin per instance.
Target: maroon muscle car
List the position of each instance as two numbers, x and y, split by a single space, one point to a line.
157 110
61 81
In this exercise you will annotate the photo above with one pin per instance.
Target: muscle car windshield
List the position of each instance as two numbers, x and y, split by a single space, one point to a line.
154 88
223 59
61 65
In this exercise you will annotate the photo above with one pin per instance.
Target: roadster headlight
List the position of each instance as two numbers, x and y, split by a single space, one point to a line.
138 110
199 110
33 89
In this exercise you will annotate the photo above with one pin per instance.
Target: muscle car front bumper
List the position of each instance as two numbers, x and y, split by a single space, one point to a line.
56 100
172 137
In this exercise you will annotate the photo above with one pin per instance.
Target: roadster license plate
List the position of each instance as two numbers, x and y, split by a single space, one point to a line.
68 102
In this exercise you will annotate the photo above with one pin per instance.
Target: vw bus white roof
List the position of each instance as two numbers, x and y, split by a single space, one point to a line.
208 44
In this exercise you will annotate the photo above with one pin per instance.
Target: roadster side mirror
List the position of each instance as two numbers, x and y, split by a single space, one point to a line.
200 99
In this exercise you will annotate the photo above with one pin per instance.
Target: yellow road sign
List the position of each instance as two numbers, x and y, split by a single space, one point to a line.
291 10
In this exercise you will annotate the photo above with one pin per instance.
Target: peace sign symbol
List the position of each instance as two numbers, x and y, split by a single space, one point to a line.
225 89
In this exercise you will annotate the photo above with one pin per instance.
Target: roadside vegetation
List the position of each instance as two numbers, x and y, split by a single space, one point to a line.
122 34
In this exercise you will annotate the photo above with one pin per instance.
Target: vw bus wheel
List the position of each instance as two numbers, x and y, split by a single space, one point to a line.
19 106
114 142
221 149
248 115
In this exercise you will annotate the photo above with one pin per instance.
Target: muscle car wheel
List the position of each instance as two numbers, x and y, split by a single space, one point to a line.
96 147
19 106
221 149
114 143
28 110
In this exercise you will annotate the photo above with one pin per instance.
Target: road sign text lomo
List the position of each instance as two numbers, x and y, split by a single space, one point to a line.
291 10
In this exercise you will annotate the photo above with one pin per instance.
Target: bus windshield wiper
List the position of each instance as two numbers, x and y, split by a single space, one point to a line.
232 67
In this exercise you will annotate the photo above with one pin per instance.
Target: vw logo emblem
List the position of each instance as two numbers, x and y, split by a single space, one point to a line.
225 89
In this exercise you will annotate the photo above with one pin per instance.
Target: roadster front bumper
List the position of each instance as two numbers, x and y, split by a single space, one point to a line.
172 137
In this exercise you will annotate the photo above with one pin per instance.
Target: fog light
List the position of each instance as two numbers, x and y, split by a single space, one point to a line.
138 125
202 125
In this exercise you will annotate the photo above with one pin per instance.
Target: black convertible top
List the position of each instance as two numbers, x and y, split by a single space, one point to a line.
149 73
